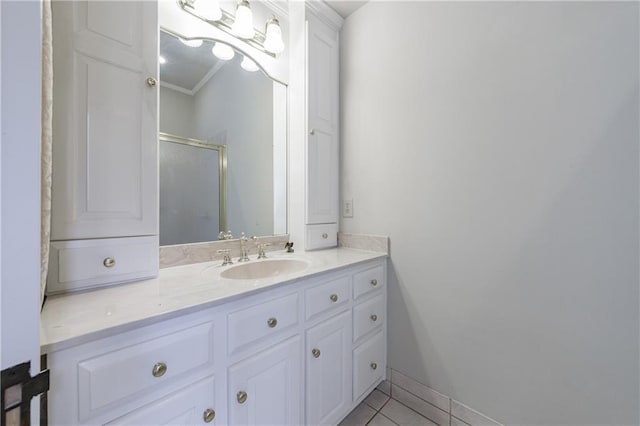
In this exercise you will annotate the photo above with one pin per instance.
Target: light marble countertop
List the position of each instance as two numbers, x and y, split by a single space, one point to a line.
68 320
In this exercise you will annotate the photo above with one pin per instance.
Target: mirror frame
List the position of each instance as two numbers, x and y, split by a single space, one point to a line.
222 168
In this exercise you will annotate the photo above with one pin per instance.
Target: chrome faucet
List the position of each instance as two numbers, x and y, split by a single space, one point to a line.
243 248
226 260
225 235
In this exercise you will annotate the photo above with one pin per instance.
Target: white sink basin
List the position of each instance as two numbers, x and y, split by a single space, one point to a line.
255 270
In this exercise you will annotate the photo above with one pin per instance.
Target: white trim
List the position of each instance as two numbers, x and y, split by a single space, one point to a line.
176 88
323 12
276 7
217 67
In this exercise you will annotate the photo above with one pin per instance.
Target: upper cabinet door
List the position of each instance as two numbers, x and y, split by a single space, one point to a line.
105 124
322 141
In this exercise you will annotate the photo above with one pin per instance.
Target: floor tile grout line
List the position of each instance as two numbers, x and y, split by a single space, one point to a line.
422 399
420 414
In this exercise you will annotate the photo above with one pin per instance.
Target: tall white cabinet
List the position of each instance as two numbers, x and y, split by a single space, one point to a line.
322 193
104 190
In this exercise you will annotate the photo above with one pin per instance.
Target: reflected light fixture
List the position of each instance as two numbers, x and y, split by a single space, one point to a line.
222 51
247 64
191 43
273 37
208 9
162 60
239 25
243 23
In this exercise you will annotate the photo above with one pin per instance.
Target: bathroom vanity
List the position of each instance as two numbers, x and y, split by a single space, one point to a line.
292 339
193 347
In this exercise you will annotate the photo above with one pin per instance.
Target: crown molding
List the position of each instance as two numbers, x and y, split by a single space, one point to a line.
323 12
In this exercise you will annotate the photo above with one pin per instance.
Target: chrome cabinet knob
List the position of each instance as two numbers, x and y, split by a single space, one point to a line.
374 365
151 82
334 297
241 397
159 369
316 353
272 322
374 282
109 262
312 132
325 235
374 317
208 415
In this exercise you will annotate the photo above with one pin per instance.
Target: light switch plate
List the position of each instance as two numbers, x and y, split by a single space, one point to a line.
347 208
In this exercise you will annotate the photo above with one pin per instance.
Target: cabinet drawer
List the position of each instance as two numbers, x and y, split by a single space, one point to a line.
261 321
368 315
76 265
368 364
188 406
324 297
367 281
322 236
125 373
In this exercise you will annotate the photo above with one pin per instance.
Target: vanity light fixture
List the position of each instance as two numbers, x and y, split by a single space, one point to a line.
241 25
243 21
273 37
223 51
191 43
208 9
248 65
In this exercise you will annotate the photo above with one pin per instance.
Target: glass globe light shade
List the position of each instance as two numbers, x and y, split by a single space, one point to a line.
223 51
243 21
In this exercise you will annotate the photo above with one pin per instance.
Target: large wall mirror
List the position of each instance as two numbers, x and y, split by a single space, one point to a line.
222 145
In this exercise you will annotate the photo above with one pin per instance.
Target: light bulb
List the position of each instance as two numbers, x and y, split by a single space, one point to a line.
162 60
273 37
208 9
223 51
243 21
248 65
191 43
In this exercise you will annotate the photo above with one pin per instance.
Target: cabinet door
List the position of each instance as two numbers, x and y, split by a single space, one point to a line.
266 389
192 405
322 142
105 127
329 370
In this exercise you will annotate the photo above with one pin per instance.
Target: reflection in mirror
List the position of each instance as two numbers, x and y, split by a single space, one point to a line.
192 190
224 103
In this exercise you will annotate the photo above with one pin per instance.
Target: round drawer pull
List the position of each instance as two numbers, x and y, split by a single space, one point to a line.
374 365
151 82
242 397
208 415
159 369
325 236
109 262
316 353
334 297
374 317
312 132
374 282
272 322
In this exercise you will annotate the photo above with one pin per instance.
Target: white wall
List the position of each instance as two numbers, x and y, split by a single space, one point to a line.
20 48
177 112
497 145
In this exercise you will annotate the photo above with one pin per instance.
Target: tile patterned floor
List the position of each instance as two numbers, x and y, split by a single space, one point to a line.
379 409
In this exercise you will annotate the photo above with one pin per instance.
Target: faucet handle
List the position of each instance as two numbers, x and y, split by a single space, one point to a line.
261 247
226 258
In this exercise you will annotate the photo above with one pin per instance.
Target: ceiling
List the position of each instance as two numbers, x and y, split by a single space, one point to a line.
345 7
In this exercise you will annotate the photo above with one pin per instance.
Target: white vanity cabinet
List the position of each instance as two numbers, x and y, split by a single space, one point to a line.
322 148
300 353
105 132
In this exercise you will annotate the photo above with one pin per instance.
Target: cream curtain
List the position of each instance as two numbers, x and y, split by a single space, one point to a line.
47 124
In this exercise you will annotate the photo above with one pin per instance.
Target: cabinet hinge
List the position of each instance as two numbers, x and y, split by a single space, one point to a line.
18 388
